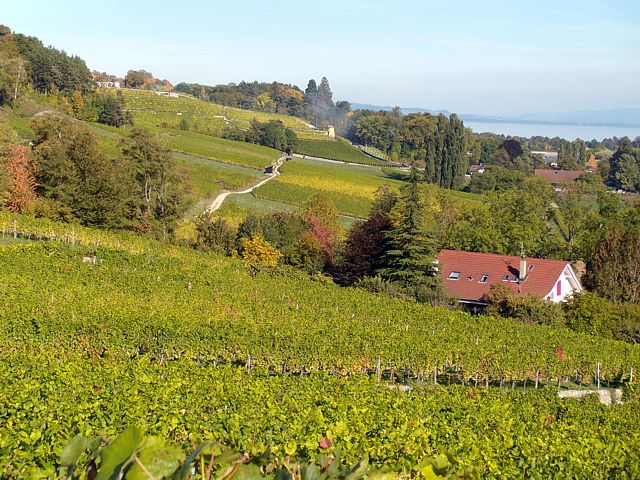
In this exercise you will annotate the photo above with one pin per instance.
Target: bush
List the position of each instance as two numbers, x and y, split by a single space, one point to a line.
589 313
212 236
526 308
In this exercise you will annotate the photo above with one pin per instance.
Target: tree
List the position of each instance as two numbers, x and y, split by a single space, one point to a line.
258 252
111 110
323 229
496 178
366 242
283 230
13 74
594 315
72 172
613 265
624 168
264 103
324 91
137 78
446 161
412 249
627 175
49 67
214 236
21 194
161 189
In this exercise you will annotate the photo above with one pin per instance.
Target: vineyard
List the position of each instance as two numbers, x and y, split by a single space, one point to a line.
350 187
195 348
48 397
152 110
339 149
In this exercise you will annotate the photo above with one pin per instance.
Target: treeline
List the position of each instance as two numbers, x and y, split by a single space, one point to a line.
623 170
315 103
26 61
272 97
438 144
64 175
269 134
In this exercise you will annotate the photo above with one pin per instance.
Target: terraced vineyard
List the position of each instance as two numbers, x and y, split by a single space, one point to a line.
196 347
350 187
338 149
133 303
152 110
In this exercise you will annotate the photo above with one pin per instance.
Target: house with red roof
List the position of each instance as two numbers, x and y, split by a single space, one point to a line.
469 276
557 177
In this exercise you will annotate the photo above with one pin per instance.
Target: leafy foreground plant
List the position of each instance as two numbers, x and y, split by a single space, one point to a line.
134 456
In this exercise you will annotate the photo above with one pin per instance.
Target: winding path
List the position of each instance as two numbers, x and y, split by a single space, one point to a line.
219 200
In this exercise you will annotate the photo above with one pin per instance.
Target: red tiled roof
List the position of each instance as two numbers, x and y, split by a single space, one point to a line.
472 266
558 176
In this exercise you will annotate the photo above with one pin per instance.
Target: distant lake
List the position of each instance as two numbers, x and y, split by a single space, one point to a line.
568 132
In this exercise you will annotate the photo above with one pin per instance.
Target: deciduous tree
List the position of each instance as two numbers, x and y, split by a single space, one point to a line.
21 194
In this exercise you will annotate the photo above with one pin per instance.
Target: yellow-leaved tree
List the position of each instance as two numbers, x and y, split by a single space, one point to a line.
258 252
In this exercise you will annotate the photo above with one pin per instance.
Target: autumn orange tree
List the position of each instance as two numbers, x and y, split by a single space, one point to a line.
21 187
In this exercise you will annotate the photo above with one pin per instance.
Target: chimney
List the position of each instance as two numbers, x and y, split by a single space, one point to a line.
523 265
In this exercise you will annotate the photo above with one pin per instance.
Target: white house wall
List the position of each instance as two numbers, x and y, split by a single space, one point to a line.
566 288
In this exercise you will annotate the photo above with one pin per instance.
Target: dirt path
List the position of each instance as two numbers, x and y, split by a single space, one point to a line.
219 200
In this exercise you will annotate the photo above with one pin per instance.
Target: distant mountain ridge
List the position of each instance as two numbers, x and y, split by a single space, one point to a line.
614 117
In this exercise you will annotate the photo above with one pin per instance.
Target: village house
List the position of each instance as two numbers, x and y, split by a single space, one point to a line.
469 276
559 178
479 168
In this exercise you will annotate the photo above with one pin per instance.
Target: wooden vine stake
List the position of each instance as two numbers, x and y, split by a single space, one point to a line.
537 378
598 375
378 372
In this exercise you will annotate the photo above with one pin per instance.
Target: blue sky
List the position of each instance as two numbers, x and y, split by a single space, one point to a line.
484 56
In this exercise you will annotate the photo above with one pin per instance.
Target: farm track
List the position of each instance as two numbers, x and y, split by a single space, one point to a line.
219 200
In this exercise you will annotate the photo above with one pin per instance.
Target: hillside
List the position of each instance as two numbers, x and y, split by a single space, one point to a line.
193 346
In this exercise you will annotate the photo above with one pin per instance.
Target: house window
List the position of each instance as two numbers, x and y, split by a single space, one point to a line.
484 278
530 267
454 275
559 288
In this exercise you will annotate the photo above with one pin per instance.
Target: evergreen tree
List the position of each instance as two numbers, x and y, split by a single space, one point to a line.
324 91
412 249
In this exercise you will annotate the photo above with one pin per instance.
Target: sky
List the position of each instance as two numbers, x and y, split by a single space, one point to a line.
496 57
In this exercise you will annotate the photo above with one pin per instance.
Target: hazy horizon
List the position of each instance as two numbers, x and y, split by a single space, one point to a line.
494 58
